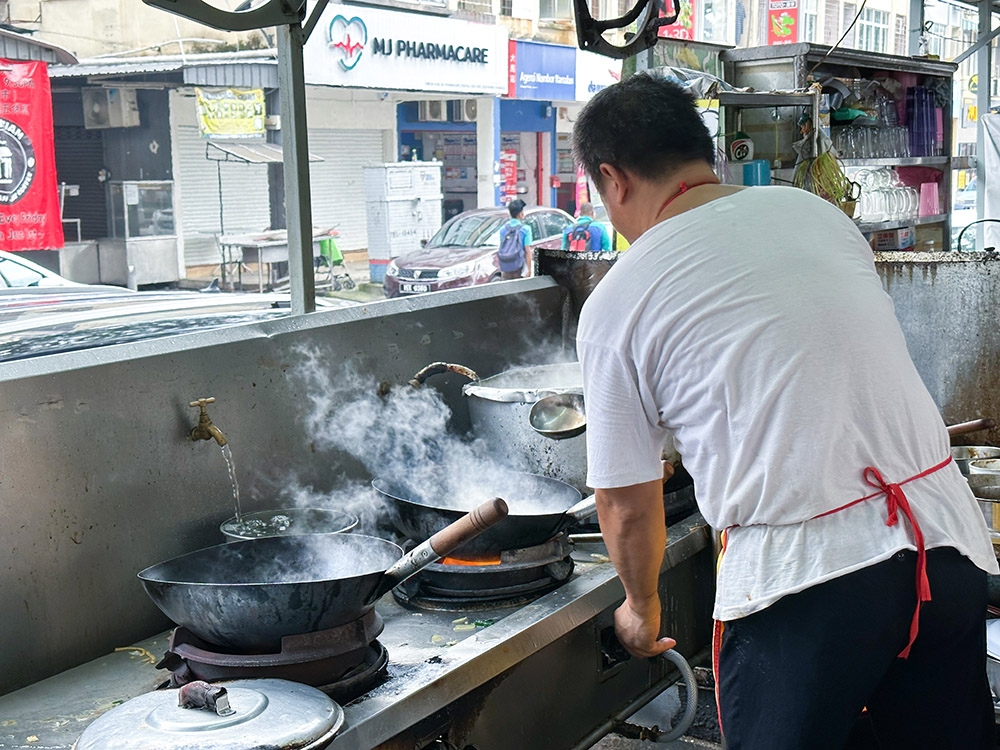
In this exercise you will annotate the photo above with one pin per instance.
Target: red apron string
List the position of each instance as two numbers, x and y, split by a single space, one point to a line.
897 503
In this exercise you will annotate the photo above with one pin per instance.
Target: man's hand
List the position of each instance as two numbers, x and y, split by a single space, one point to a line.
638 628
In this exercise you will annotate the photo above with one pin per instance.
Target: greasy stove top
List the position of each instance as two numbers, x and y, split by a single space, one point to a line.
434 658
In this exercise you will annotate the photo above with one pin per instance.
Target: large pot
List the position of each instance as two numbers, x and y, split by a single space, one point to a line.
499 408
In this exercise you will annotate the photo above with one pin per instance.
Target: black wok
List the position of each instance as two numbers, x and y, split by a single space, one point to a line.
248 595
539 508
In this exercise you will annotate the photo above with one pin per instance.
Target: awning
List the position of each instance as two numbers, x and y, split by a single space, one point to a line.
248 153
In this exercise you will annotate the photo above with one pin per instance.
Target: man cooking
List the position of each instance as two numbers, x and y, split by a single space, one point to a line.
750 324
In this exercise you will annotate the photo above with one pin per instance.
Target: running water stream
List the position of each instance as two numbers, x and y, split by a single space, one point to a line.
228 455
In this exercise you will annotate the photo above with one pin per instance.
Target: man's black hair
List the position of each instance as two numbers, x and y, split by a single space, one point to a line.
645 124
515 207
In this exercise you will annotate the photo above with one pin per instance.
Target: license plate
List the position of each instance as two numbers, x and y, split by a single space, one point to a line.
414 288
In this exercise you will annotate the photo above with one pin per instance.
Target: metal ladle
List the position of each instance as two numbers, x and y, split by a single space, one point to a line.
559 416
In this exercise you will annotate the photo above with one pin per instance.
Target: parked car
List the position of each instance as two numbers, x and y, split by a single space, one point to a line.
966 197
20 273
37 321
464 251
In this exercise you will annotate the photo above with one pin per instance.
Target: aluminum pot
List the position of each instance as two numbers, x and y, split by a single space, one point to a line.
288 522
499 407
963 454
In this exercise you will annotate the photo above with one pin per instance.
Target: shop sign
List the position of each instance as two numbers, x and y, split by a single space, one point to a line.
29 199
375 48
508 172
593 73
782 21
419 6
684 26
545 72
230 114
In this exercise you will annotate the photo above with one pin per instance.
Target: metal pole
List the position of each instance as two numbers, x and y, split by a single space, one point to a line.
982 108
295 149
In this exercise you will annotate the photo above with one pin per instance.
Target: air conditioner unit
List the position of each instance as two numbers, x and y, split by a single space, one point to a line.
463 110
433 110
109 108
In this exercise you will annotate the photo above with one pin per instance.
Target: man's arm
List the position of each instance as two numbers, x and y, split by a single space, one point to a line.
635 533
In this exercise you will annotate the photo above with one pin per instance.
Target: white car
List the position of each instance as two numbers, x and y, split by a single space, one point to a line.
20 273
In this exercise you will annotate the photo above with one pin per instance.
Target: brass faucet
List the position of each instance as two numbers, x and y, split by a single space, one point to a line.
205 430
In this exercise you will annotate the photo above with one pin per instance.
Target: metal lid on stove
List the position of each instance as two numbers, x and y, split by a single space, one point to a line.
262 713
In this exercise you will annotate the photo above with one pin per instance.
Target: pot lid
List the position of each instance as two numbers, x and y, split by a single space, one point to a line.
528 384
251 713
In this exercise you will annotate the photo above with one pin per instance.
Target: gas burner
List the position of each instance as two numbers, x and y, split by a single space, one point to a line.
343 662
512 578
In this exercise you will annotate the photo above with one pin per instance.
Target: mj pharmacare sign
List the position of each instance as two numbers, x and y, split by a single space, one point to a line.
356 46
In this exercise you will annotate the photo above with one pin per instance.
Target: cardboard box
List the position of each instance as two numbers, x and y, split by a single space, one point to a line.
894 239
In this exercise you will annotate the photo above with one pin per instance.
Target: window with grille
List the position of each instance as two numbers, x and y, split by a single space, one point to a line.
901 39
831 11
476 6
873 30
810 21
555 9
506 7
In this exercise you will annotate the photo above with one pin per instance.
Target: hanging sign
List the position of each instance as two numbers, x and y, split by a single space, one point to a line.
376 48
231 114
782 21
508 172
683 27
582 189
29 198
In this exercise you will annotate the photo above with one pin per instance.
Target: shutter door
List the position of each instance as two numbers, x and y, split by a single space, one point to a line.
244 197
79 157
338 182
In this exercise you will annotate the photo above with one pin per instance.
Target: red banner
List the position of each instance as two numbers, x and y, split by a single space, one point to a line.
512 68
29 198
684 26
782 21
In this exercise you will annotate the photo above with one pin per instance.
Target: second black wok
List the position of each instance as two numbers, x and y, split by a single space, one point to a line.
539 508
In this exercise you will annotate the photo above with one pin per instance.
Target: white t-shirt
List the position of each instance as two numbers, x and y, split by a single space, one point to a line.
754 330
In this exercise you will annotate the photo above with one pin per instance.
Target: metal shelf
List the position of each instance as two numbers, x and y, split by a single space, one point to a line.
883 226
765 99
910 161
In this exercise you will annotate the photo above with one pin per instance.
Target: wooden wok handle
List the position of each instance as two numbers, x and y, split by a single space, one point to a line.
454 535
468 526
974 426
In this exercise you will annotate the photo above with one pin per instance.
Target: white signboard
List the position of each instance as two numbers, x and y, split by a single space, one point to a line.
362 47
595 72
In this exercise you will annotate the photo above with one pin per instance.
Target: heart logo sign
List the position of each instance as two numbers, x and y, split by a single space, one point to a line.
348 37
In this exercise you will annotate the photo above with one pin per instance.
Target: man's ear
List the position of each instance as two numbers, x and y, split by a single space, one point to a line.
615 184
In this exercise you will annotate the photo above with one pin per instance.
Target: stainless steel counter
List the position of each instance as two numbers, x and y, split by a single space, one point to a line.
432 667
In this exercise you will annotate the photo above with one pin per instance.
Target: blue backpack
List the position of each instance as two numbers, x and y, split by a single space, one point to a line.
511 253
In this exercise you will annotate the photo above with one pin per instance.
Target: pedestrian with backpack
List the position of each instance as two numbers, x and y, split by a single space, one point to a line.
586 235
515 236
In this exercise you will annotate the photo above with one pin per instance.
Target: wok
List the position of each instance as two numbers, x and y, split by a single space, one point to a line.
539 508
248 595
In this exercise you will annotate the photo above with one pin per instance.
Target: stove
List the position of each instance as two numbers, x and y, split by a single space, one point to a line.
511 578
343 662
445 684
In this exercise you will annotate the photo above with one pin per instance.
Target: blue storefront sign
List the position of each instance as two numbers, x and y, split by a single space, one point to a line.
546 72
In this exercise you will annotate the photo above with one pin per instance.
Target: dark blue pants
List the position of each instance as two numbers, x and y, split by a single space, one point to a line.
819 670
